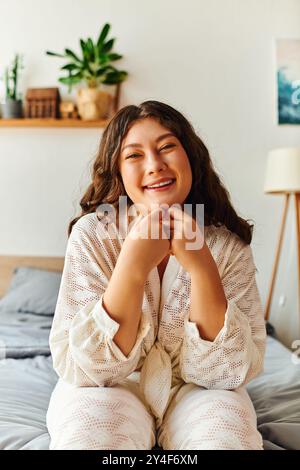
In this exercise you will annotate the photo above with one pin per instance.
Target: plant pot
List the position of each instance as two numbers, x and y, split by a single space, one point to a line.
12 109
93 104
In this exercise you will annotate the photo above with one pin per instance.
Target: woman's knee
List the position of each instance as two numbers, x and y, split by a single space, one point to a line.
100 418
211 419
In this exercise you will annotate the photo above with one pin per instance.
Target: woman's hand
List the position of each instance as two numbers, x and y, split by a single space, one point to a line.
144 249
186 240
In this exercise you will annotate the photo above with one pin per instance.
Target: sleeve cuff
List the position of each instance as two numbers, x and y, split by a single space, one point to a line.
110 327
192 332
103 320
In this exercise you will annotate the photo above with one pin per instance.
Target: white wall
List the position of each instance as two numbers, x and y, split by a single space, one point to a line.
211 59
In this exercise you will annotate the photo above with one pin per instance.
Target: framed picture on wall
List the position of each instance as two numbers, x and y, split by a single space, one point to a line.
288 80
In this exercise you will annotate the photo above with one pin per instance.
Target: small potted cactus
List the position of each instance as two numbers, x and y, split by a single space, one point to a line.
93 66
12 106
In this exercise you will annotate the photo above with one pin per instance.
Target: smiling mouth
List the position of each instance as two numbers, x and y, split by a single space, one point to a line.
164 187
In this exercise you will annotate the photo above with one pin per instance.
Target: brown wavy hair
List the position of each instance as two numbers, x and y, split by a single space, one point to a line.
207 188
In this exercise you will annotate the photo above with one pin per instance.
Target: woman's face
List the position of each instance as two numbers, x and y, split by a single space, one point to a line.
150 153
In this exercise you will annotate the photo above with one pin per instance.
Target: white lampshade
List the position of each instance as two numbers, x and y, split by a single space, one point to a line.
283 171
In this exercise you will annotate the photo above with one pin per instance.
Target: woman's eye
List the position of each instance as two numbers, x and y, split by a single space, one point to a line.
167 146
133 155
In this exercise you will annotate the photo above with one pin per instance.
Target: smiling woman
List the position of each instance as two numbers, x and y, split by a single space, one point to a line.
176 138
159 170
142 342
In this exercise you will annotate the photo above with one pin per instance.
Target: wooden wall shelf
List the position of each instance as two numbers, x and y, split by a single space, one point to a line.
52 123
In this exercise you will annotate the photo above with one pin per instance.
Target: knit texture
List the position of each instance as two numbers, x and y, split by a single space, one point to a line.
168 350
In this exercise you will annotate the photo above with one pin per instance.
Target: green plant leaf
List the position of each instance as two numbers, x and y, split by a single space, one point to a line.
101 71
103 34
90 46
107 46
87 68
84 49
103 59
115 77
70 67
70 80
112 57
71 54
54 54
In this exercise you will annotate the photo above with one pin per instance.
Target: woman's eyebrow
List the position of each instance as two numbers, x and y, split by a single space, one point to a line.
161 137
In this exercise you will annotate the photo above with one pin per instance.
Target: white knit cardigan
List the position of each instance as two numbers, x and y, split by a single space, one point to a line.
168 350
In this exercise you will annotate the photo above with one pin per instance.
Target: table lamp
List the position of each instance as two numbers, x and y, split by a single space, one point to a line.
283 177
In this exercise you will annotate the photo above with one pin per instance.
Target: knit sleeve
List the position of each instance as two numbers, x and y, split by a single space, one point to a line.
237 353
81 337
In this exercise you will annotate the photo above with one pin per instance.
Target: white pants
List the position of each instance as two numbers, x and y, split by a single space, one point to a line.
108 418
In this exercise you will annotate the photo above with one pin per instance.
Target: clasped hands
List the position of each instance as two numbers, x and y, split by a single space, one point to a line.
186 240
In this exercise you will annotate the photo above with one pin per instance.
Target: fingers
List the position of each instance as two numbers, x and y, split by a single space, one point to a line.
175 211
150 225
160 216
149 215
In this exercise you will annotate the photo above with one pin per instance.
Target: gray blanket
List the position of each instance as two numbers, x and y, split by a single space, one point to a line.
25 389
24 334
276 397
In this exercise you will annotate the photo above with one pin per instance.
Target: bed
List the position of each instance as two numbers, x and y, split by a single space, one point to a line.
27 377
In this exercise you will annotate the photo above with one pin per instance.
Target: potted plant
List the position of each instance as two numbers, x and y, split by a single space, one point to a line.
12 106
94 67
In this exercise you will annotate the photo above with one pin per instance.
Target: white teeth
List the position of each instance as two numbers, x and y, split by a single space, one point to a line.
160 184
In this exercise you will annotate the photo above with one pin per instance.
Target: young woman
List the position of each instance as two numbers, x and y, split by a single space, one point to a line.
154 342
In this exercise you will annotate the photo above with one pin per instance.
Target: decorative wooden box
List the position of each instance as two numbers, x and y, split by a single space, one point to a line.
42 103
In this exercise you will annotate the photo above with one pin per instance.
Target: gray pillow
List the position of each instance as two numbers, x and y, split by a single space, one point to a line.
32 290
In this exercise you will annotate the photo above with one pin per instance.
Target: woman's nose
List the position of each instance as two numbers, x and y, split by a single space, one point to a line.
154 162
